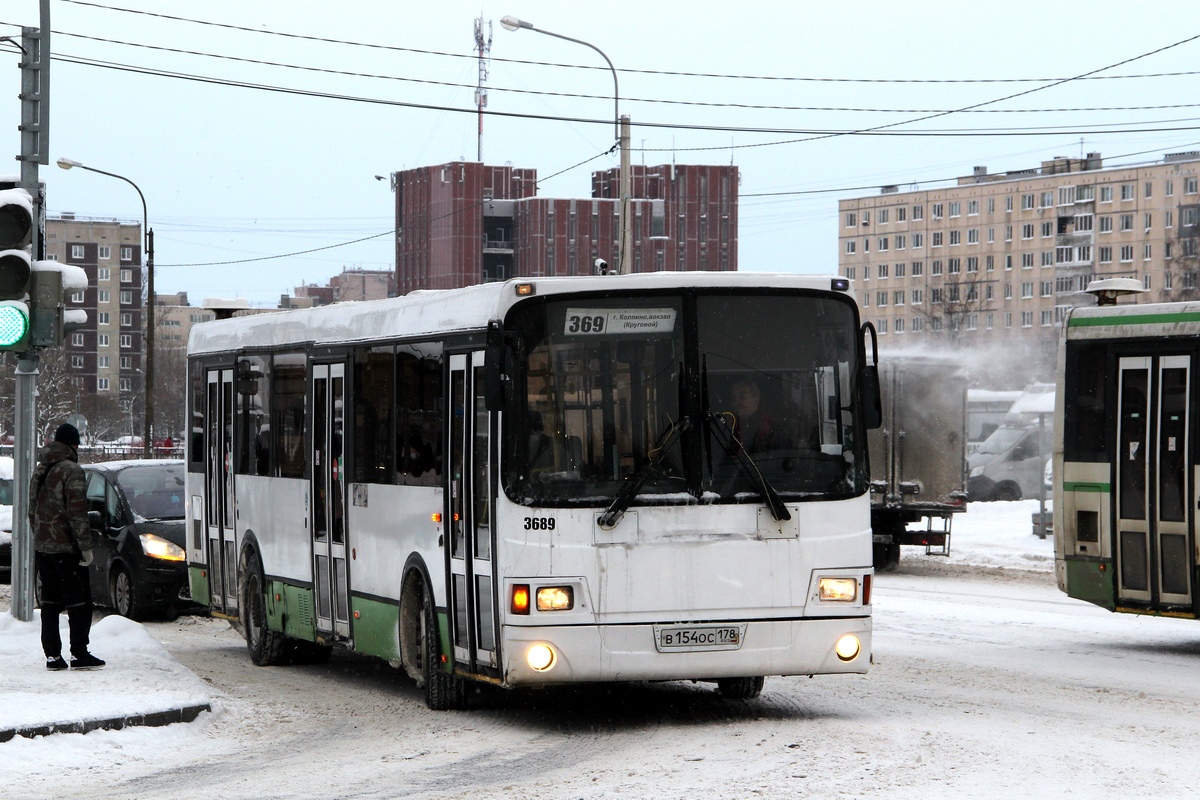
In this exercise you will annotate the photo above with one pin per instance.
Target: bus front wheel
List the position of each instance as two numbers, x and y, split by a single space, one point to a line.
443 691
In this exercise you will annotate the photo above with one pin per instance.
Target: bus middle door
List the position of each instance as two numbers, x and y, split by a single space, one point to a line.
472 591
330 572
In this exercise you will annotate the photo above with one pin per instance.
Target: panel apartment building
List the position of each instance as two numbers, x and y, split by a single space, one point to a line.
998 258
464 223
106 353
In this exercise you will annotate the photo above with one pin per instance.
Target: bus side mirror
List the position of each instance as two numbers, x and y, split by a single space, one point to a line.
872 403
872 400
497 368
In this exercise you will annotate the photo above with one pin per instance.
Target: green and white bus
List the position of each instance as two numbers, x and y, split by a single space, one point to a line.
541 481
1125 461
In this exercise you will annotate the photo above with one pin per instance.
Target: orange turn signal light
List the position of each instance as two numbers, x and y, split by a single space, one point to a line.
436 517
520 598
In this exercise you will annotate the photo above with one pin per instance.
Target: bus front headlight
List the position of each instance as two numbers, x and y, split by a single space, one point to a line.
844 590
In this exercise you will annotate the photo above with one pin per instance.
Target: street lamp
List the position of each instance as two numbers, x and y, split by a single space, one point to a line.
148 436
620 124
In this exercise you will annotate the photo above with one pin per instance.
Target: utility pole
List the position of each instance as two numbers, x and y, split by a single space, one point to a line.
35 148
626 255
484 47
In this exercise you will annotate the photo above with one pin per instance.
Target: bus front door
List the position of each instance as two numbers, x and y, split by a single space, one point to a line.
472 590
1154 476
330 575
218 490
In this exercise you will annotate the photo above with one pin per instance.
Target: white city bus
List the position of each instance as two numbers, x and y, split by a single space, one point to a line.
542 482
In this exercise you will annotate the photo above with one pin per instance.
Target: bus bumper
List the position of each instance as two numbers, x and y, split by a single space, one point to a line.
601 653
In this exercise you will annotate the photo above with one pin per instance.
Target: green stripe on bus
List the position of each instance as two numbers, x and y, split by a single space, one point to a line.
1071 486
1134 319
376 628
198 585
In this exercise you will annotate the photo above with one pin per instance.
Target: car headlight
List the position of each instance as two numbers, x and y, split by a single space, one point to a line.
158 547
975 473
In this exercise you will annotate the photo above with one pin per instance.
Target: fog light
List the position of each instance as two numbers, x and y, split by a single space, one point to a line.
540 657
555 598
844 590
847 647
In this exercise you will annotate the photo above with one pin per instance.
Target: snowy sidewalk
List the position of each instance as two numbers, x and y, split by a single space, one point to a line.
141 685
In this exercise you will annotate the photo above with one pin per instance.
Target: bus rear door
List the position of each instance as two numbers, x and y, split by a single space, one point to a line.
330 578
218 483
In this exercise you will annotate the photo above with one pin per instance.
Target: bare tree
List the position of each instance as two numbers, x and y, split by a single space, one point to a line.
58 392
954 308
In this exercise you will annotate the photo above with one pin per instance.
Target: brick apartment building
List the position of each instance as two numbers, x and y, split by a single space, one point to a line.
463 223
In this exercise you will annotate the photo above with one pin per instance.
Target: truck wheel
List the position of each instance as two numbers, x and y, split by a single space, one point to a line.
885 556
267 648
443 691
741 688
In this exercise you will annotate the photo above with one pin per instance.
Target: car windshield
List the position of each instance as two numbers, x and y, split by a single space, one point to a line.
6 492
656 389
1001 440
154 491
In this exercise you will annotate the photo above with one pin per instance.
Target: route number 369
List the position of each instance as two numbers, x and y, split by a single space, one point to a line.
578 323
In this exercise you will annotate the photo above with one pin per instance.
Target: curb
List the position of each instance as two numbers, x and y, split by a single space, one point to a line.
156 719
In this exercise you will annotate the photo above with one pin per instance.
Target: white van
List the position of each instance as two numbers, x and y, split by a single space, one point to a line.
1010 463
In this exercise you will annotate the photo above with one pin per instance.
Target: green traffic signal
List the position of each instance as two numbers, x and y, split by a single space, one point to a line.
14 325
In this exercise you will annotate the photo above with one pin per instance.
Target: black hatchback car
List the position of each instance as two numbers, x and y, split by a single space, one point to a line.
136 510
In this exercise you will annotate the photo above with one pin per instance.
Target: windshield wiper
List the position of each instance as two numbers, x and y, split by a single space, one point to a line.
734 449
612 515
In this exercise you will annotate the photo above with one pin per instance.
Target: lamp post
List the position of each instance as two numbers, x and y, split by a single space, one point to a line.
148 435
620 128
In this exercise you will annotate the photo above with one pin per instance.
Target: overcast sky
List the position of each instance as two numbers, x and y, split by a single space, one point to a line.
233 173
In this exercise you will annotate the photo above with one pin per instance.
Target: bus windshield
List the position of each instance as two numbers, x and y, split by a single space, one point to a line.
700 398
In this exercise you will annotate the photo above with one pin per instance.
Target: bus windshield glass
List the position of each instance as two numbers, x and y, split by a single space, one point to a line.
700 398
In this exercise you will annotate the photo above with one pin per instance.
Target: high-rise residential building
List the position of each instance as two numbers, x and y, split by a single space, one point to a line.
999 257
106 353
464 223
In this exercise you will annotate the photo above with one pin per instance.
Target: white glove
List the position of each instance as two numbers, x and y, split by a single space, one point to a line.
87 558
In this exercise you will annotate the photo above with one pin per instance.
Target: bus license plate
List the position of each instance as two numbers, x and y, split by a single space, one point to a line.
695 638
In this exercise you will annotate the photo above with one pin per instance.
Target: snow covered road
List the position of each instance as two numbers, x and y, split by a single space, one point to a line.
987 684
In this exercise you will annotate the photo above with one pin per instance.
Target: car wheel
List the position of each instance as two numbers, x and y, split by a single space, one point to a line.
1007 492
741 688
126 597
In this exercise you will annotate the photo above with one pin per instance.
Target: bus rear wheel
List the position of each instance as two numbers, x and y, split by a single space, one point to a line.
741 688
267 648
443 691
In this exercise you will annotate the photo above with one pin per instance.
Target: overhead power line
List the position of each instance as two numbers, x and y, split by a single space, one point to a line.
581 96
671 73
810 134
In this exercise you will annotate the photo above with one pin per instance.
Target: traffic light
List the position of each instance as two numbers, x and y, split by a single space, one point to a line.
50 286
16 233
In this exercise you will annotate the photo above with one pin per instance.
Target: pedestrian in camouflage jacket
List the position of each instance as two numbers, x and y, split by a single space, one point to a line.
62 544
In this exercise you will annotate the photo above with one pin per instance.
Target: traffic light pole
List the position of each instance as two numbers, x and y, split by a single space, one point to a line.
35 147
23 464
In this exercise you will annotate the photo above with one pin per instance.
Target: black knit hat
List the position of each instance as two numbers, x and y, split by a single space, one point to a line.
67 434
